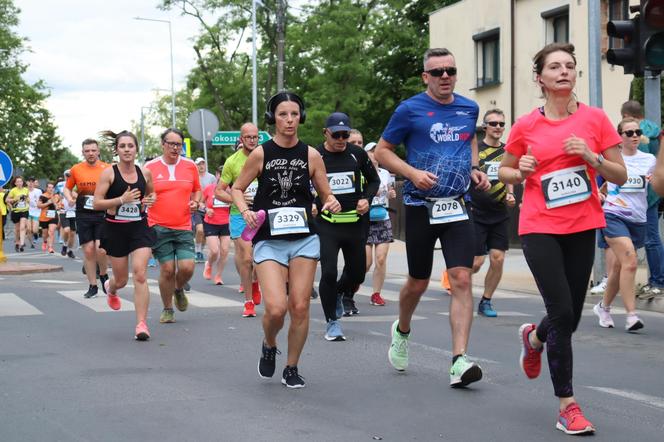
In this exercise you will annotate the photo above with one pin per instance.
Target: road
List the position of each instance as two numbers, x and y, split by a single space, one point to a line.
70 371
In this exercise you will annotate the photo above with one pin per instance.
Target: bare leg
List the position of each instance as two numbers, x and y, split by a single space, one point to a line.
224 246
409 297
139 265
300 280
380 267
495 272
167 283
626 260
90 262
273 277
102 260
461 308
244 265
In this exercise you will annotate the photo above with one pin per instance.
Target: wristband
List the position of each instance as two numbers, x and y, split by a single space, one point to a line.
475 168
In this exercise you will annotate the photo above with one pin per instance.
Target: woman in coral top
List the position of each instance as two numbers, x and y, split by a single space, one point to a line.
556 151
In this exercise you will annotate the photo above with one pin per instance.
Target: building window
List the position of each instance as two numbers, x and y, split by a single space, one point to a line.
618 10
487 50
557 25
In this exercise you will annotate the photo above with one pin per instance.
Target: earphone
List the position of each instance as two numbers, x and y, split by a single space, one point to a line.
285 96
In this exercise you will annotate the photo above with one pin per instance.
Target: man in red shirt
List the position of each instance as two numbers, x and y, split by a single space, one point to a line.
178 193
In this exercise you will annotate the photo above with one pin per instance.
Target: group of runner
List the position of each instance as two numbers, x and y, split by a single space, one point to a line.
303 204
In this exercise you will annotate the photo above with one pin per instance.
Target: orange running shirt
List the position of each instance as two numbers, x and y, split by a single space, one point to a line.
84 177
173 184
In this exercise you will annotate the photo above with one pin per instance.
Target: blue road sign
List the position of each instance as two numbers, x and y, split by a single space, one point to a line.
6 168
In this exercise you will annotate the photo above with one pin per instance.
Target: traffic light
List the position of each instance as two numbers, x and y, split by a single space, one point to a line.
651 34
629 56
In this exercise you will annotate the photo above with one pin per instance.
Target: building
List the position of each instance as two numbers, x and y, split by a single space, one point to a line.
495 44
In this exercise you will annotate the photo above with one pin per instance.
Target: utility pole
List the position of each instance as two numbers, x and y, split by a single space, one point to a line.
281 31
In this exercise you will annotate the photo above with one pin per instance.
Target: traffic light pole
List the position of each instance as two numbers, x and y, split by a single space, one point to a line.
652 97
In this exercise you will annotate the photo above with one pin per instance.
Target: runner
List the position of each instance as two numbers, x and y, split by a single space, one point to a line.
286 246
217 233
205 178
438 130
68 224
557 150
356 138
178 195
34 213
123 191
380 228
489 210
48 218
84 177
17 199
625 212
354 182
3 210
243 250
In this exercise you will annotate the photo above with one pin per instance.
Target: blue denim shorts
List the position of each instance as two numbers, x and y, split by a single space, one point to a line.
237 225
617 227
283 251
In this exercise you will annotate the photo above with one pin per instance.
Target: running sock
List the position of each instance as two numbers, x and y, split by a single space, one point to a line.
402 333
485 299
199 248
34 235
454 358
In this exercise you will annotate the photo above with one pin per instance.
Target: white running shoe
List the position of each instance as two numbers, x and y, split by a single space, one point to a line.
604 315
599 288
633 323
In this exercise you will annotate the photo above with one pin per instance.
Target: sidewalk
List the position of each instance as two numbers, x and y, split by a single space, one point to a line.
516 275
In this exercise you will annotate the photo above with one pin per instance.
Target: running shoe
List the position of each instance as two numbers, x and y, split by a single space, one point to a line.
112 298
531 358
43 247
347 305
486 309
218 280
314 293
267 362
445 282
633 323
256 293
186 287
398 353
240 289
291 379
334 332
63 251
249 310
92 292
599 288
71 254
207 270
464 372
572 421
353 308
103 279
376 299
167 316
142 333
604 315
648 292
22 248
16 247
199 257
181 301
152 262
51 251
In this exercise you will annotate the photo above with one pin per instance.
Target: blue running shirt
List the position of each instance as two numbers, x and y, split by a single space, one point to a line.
438 139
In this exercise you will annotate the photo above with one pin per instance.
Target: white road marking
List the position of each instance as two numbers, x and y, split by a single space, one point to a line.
501 313
55 281
646 399
98 303
12 305
204 300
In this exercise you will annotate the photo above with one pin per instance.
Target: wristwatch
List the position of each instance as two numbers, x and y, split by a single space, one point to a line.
600 160
475 168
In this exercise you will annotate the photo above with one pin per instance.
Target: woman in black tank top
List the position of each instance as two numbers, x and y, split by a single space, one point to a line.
284 167
124 191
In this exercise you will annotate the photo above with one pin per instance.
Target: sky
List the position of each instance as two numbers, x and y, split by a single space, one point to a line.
100 64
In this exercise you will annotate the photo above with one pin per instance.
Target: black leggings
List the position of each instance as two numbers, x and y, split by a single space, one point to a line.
561 265
350 239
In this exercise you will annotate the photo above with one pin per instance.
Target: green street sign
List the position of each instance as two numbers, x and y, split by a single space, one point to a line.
230 137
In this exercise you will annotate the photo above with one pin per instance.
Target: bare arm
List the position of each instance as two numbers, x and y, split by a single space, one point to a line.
251 169
385 155
222 192
657 180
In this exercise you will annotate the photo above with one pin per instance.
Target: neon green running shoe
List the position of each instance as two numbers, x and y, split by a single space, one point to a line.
181 301
464 372
398 354
167 316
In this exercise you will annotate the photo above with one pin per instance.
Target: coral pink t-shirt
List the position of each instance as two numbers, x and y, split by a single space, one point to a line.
571 203
220 208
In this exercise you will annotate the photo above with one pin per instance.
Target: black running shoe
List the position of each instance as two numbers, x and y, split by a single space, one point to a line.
63 252
291 379
103 279
314 293
266 364
22 248
92 292
16 247
348 305
71 254
353 309
186 287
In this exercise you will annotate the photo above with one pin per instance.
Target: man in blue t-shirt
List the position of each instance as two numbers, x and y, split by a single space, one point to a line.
438 129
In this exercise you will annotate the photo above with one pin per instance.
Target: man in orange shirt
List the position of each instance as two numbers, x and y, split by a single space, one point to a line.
178 194
84 177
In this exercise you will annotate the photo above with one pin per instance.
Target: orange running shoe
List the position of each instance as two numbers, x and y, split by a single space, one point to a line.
445 282
207 270
572 421
142 332
249 310
113 299
218 280
255 293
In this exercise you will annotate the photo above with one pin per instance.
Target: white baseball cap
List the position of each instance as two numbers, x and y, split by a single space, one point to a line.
199 160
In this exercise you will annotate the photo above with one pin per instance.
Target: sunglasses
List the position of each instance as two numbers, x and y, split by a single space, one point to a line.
631 133
173 144
340 135
495 123
438 72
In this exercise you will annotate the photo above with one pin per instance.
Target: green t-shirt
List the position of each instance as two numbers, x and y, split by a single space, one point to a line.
232 168
19 205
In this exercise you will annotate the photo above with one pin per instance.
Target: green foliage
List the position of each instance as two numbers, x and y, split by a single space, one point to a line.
636 92
28 133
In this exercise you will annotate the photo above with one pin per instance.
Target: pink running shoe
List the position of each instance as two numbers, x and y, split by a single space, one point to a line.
113 299
218 280
530 359
207 270
572 421
142 332
255 293
376 299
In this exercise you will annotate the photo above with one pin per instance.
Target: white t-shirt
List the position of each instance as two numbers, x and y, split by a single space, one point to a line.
33 198
386 181
630 201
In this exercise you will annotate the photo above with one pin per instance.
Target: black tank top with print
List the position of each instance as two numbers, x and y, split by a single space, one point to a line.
126 212
284 193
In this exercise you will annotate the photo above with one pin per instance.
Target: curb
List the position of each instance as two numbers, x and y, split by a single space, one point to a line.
27 267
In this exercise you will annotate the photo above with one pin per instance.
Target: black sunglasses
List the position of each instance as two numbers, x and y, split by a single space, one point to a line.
438 72
631 133
340 135
495 123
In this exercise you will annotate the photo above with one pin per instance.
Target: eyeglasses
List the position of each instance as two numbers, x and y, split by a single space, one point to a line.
173 144
341 135
631 133
250 137
438 72
495 123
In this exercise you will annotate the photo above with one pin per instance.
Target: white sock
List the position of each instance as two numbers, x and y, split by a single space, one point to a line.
198 248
